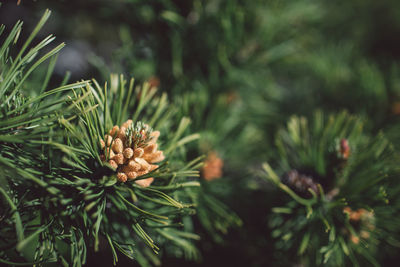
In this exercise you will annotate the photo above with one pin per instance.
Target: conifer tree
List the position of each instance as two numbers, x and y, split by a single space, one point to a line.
84 167
290 157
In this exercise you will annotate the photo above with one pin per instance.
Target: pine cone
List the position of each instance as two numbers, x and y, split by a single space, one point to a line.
132 151
300 182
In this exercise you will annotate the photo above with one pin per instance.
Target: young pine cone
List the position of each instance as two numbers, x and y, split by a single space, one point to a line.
300 182
344 149
132 151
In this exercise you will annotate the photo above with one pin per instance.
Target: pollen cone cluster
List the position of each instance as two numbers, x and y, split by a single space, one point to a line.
363 222
212 168
132 151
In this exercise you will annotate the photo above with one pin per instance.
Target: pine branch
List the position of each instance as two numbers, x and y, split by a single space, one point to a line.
335 188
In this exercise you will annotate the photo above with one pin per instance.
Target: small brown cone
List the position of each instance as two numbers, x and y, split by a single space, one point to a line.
145 182
134 165
212 168
150 148
122 177
127 123
138 152
113 164
154 157
128 153
131 175
109 140
145 166
122 133
114 130
355 239
117 146
154 137
119 159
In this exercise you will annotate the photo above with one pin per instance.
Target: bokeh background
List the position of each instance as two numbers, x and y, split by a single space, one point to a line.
246 67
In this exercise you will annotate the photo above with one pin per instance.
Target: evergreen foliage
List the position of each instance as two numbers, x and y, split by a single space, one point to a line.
307 86
339 181
58 191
